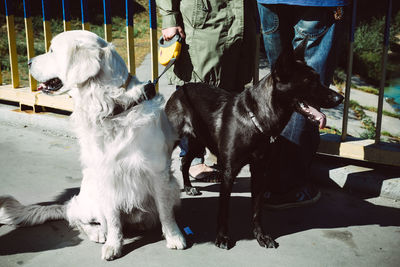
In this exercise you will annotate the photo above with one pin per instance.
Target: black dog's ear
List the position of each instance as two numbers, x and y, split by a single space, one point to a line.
283 66
300 50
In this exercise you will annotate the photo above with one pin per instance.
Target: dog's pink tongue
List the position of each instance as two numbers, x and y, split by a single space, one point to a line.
41 86
319 116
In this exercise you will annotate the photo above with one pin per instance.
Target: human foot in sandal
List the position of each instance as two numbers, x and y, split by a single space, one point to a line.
203 173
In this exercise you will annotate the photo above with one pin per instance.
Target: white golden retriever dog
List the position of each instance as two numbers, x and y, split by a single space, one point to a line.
126 145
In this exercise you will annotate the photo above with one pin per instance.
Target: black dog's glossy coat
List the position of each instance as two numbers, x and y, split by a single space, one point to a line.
223 122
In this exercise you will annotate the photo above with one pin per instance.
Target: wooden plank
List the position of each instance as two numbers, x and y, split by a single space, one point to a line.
25 97
360 149
63 102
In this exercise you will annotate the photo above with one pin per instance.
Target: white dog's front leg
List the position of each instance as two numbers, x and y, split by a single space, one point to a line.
113 247
165 201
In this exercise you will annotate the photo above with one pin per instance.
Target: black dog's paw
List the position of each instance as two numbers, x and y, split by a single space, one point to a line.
192 191
266 241
223 242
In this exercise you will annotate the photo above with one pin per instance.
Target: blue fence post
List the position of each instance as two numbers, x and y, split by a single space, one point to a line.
85 15
66 15
107 20
29 39
12 46
349 72
130 43
383 72
46 23
153 40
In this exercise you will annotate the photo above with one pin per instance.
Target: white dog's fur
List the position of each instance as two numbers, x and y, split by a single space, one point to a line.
126 157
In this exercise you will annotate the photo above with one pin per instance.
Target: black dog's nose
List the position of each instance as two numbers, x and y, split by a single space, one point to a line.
338 98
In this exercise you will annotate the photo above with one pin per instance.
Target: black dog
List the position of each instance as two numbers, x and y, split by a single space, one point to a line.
240 128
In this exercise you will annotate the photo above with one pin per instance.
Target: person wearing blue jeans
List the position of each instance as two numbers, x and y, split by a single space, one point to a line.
290 22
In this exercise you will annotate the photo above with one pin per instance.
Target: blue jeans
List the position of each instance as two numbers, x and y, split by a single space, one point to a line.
300 139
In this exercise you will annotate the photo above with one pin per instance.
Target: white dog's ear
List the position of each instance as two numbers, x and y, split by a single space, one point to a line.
84 63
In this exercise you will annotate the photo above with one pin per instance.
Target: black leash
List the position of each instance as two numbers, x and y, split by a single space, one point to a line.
150 87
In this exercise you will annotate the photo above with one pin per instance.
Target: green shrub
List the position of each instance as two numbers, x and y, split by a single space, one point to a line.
368 49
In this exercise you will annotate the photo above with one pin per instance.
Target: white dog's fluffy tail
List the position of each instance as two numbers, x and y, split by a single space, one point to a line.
14 213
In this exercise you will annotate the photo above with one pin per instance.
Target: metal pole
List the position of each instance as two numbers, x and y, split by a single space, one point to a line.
29 39
349 72
383 73
107 20
46 24
153 41
12 45
130 41
85 15
66 15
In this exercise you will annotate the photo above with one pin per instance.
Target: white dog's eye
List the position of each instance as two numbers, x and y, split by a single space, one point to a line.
51 50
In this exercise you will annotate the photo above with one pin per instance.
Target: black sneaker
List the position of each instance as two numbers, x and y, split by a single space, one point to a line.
304 196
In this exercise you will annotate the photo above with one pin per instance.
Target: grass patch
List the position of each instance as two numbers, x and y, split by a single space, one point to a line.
369 125
391 138
366 121
384 112
367 89
330 130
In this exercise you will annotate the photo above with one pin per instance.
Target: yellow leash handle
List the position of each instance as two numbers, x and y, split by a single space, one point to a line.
169 49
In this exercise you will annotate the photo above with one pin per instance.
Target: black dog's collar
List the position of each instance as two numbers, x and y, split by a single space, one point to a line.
258 126
149 92
255 121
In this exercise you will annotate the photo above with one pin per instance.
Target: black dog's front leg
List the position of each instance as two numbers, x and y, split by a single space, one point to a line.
193 148
257 189
223 240
187 185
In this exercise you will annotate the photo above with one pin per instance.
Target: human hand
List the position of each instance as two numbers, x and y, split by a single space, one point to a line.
170 32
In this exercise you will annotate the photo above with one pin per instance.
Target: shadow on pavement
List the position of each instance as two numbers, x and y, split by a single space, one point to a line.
48 236
335 209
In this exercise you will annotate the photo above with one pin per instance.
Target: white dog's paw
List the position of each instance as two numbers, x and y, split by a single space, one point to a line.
110 252
176 241
94 231
97 236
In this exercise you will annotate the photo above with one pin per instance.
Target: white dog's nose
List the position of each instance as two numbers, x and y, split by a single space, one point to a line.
29 63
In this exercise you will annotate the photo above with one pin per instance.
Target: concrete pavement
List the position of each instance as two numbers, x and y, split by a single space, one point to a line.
342 229
355 223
